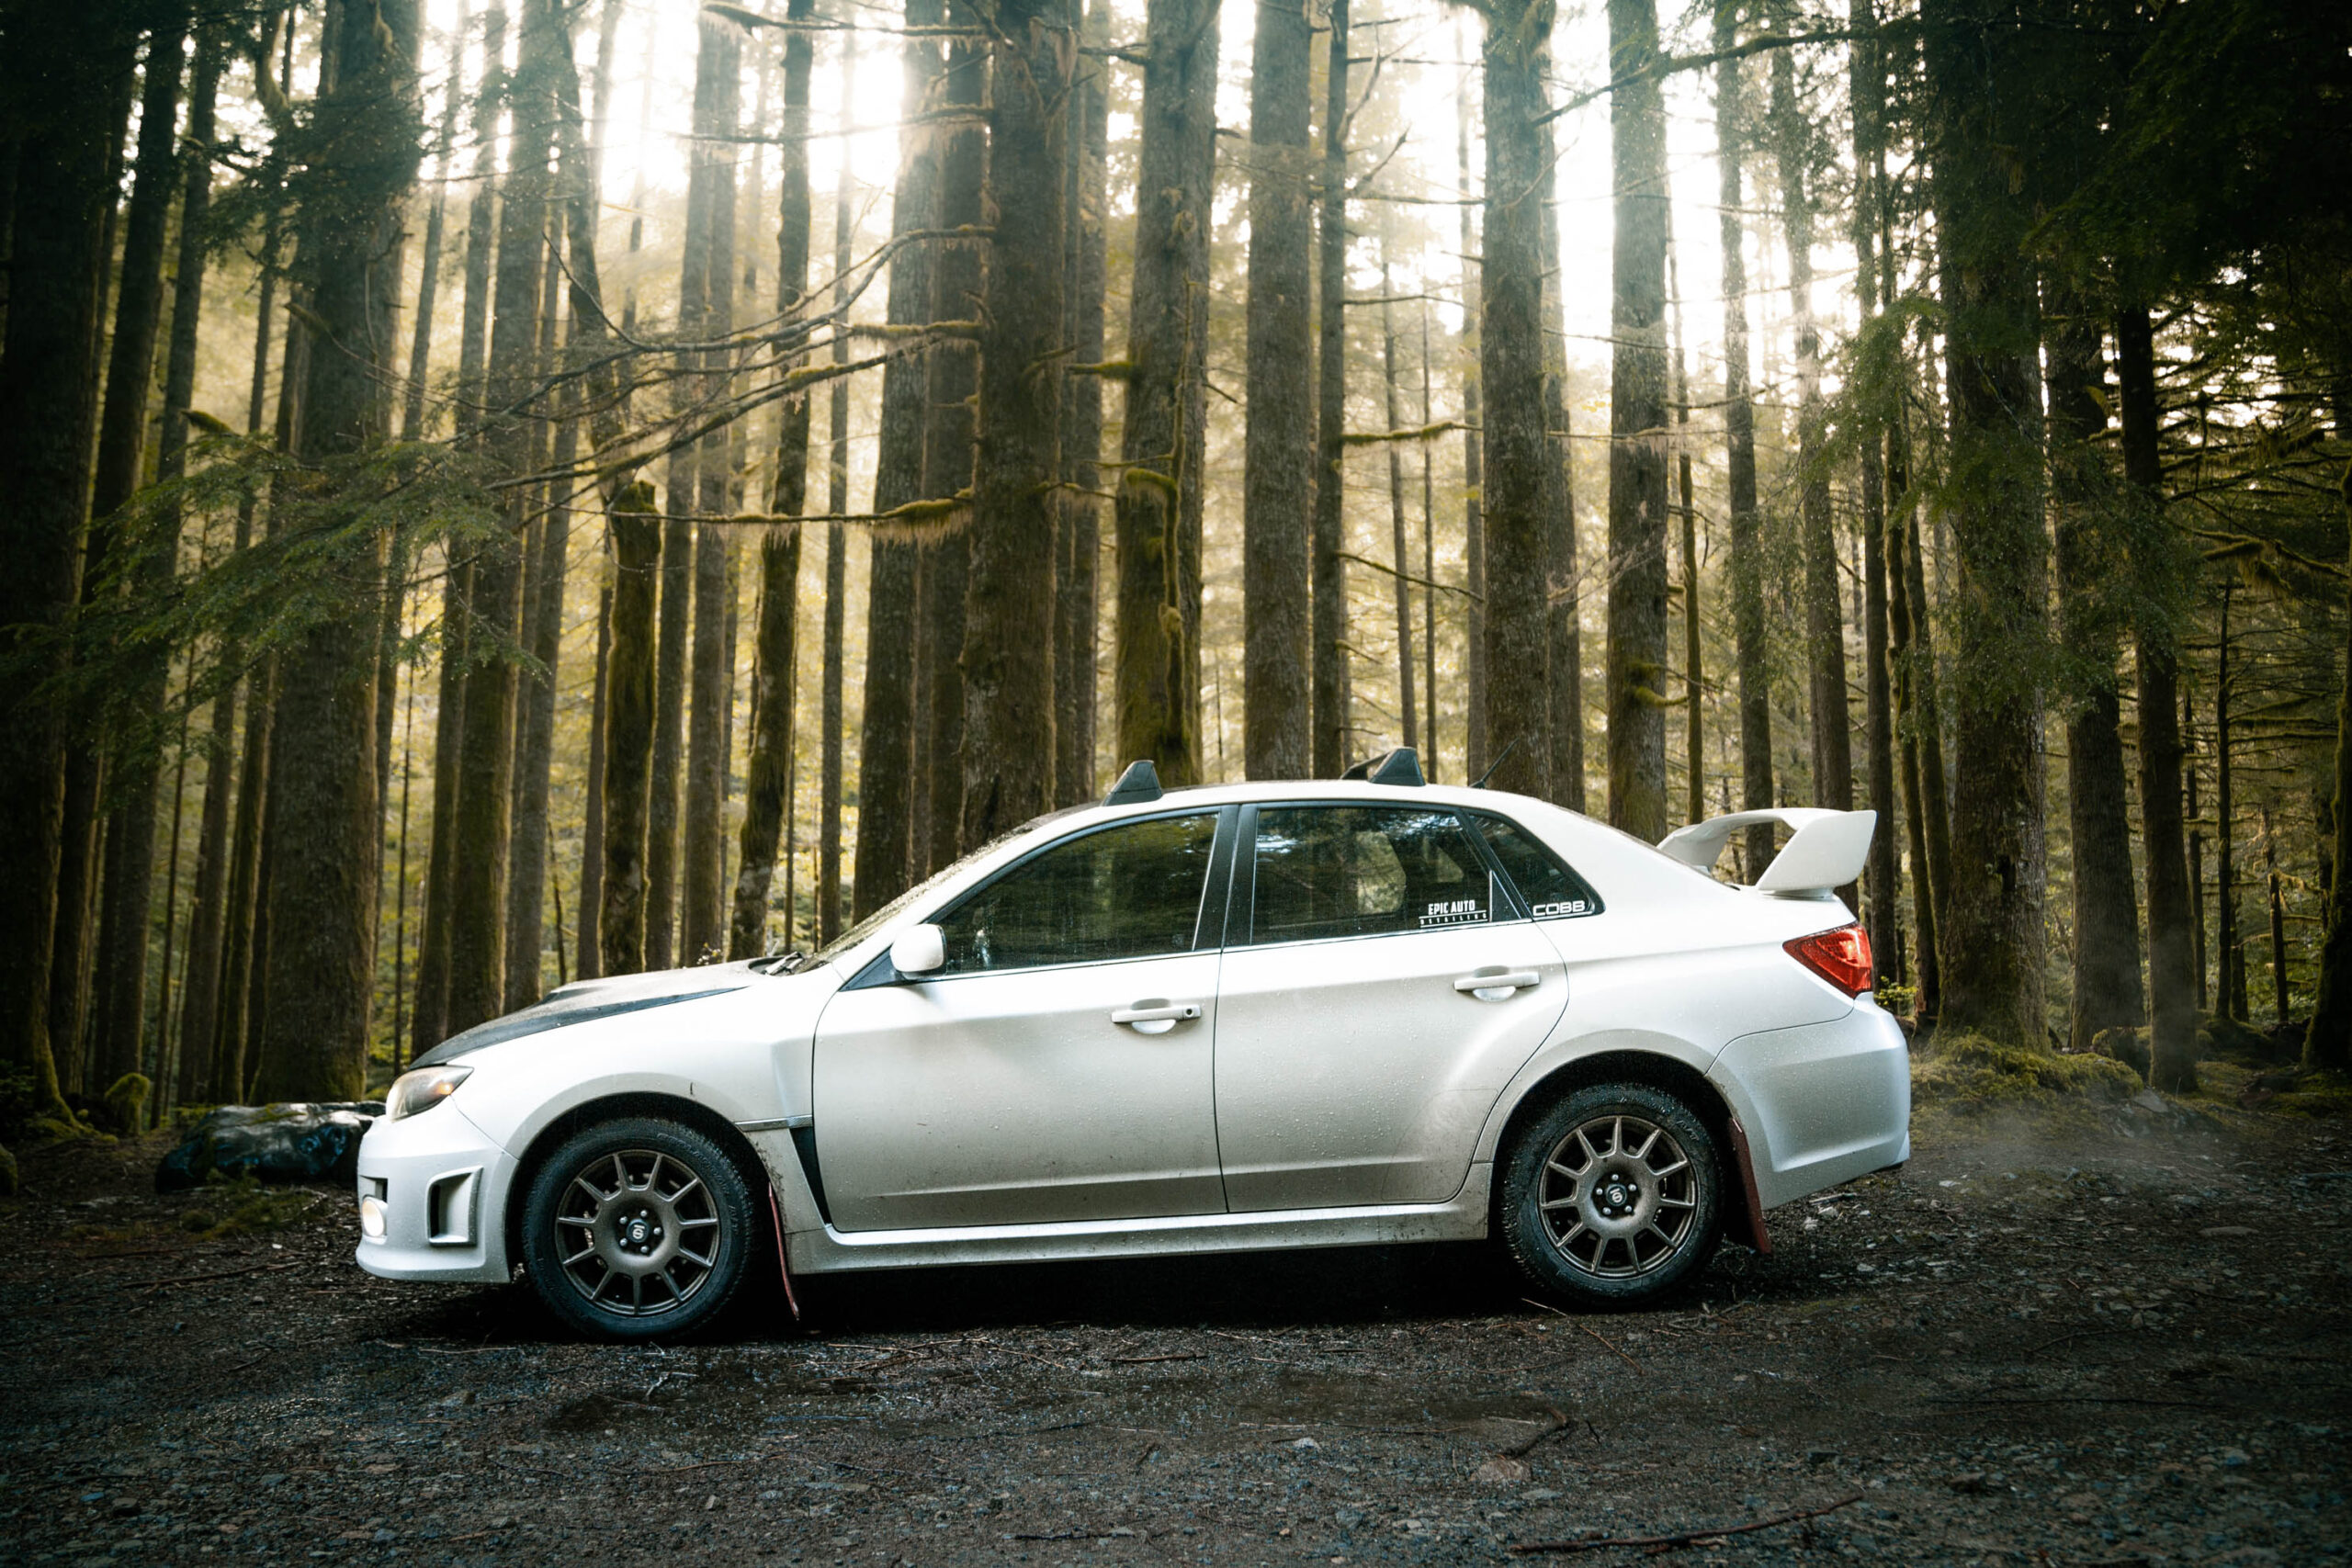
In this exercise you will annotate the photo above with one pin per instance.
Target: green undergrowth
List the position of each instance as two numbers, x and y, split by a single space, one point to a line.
242 1206
1965 1072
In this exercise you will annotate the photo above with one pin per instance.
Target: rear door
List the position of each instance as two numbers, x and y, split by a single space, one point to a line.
1380 986
1060 1067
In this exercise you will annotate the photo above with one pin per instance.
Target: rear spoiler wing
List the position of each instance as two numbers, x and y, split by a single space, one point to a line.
1825 850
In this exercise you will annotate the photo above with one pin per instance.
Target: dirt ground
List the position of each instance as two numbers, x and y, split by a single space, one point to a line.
2107 1350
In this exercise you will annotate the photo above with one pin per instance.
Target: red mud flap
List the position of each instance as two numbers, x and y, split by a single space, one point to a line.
1750 1218
784 1268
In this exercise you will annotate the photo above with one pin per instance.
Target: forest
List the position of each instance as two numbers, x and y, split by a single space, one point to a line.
506 492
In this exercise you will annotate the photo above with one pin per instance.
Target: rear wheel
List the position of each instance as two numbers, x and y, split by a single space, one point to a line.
637 1229
1612 1195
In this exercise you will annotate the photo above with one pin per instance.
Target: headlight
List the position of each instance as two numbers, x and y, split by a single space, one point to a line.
422 1090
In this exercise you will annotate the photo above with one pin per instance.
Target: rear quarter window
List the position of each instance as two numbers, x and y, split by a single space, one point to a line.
1549 888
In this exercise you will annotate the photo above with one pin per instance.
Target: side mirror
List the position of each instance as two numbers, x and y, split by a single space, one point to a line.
919 949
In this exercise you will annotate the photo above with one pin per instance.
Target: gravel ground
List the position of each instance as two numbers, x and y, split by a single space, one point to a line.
2121 1351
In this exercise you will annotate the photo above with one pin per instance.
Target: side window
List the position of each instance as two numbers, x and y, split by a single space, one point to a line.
1132 891
1551 890
1336 871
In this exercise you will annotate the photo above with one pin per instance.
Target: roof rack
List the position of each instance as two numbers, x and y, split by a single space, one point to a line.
1401 766
1139 784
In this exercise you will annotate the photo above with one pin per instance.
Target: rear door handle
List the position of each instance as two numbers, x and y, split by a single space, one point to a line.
1156 1017
1494 988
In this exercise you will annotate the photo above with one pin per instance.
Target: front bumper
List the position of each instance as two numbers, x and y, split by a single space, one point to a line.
440 1186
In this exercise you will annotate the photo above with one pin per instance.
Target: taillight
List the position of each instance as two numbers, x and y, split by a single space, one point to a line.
1842 957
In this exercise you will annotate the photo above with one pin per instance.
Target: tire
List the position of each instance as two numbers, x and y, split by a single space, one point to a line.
1634 1185
639 1229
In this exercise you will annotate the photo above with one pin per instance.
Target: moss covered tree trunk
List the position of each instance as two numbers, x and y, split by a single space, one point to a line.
62 64
1825 631
1165 427
628 727
1474 451
1077 658
1637 414
2106 957
1333 734
1991 931
886 759
484 823
1563 595
125 890
1867 92
1008 596
947 440
1278 438
829 763
324 829
767 787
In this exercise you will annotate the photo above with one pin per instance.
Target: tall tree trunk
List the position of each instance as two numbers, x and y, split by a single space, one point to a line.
483 846
829 833
1400 563
534 754
886 759
1278 438
126 893
947 441
2327 1040
1686 513
1333 733
1751 649
63 66
1637 395
1825 632
1429 561
428 278
709 292
1867 90
202 972
767 786
1474 450
628 728
1008 595
1991 931
1511 326
2172 1002
2229 970
1165 427
1078 599
430 1015
324 829
2188 725
2106 959
1562 596
588 945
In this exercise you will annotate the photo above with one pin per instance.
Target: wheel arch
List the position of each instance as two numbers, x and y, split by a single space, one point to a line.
612 1107
1743 1212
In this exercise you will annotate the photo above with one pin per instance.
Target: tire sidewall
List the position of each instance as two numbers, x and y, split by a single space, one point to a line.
741 1225
1521 1221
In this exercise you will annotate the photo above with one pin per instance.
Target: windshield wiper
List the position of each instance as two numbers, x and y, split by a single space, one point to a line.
779 963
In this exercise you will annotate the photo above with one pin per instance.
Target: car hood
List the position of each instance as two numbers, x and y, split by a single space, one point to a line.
585 999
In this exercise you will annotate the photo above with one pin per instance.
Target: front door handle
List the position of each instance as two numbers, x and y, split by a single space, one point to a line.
1156 1017
1494 988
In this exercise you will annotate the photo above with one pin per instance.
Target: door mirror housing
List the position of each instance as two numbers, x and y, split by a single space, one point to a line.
919 949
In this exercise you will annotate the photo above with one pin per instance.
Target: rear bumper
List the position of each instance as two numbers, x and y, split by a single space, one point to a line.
1822 1103
441 1184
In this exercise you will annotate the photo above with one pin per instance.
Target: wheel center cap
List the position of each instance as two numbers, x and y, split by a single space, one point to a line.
639 1231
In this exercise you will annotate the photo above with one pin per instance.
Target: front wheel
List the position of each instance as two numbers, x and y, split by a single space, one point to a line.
1612 1195
637 1229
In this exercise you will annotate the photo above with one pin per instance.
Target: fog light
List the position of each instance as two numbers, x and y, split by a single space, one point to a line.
371 1217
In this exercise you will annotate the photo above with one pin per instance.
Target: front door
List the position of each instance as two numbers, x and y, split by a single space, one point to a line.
1358 1051
1060 1067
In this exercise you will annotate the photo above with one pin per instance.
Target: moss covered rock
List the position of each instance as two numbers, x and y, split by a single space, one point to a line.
1968 1072
125 1104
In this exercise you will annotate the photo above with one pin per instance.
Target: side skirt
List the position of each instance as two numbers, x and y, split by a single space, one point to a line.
821 1249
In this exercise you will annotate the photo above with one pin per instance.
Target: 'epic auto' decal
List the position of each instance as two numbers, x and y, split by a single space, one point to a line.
1454 912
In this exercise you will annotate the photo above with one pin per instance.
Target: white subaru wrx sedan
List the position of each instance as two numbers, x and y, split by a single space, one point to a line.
1261 1015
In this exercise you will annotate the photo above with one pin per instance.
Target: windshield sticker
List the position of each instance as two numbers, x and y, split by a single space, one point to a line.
1454 912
